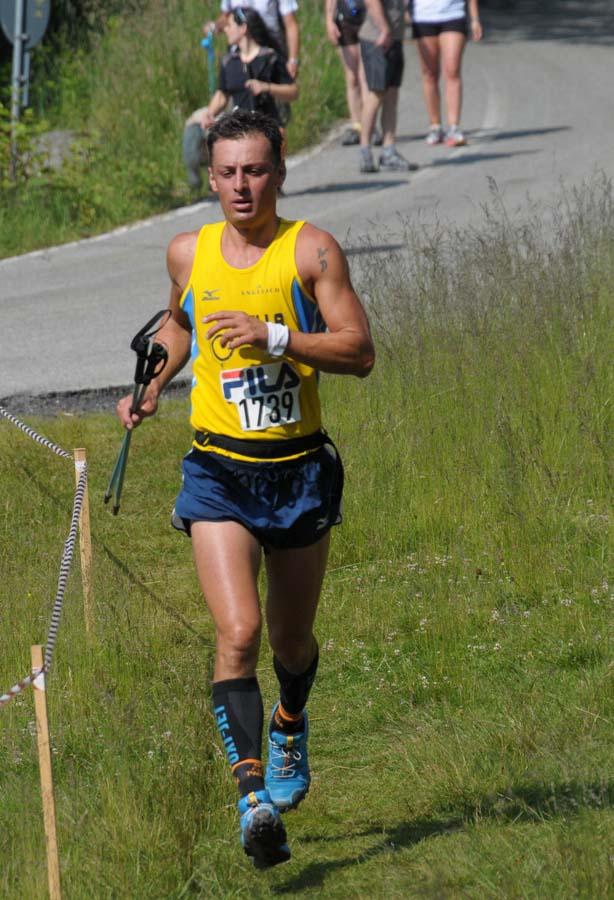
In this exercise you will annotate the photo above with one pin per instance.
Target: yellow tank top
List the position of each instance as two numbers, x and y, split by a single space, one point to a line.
246 393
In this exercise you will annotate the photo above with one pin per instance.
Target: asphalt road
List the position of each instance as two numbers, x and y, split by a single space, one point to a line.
539 111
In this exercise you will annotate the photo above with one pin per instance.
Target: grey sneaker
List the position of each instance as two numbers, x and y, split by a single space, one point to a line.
367 163
435 135
394 162
350 137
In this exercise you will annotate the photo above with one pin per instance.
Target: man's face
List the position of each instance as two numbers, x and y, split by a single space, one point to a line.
244 175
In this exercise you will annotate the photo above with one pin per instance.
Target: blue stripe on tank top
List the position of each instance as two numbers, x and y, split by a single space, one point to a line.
188 308
307 312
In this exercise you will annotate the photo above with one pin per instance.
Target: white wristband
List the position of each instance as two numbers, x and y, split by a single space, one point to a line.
277 339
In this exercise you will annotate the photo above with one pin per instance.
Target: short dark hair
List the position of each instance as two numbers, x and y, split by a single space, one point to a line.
240 124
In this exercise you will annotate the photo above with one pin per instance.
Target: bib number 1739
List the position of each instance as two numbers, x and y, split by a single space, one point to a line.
265 396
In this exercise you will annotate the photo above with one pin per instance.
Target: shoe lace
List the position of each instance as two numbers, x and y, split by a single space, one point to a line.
284 760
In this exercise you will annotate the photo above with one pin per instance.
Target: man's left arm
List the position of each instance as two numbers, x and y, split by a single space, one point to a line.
376 12
347 346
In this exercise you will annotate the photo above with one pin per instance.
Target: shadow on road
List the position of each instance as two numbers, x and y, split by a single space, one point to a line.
373 248
468 159
571 21
336 187
518 133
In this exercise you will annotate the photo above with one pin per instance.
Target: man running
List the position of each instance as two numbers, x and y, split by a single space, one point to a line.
263 304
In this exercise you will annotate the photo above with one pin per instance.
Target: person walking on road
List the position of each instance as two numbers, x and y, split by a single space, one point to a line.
381 48
263 304
343 19
440 28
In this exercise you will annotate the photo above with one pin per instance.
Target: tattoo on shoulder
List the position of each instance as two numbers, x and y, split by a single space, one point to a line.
322 251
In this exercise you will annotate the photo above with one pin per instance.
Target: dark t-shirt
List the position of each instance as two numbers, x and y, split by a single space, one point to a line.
267 66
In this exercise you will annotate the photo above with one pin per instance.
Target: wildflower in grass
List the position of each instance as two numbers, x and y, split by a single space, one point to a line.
497 646
566 601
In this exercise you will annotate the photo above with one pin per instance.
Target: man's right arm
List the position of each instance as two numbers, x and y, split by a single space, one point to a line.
175 335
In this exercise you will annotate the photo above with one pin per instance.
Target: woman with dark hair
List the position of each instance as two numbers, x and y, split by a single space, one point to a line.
253 76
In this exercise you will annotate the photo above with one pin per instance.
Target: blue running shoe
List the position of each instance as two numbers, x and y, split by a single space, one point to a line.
287 775
263 835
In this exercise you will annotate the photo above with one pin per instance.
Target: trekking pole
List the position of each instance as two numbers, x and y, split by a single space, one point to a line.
151 359
207 45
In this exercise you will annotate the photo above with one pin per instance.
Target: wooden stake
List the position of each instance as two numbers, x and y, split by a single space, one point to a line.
44 762
85 544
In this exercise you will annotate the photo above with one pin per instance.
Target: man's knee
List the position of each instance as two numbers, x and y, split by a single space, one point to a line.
239 642
290 644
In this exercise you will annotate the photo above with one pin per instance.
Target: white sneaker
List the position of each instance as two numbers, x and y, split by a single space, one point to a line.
435 135
455 137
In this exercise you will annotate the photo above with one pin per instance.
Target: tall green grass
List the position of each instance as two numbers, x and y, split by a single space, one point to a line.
461 721
126 100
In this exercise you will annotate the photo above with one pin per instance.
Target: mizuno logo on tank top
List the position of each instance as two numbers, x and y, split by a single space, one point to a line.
245 393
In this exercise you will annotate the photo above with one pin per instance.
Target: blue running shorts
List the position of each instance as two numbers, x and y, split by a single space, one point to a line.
283 504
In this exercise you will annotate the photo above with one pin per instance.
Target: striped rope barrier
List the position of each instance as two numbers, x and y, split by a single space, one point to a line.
35 437
65 564
20 686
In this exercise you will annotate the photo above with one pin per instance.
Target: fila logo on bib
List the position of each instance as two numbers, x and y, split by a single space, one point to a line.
264 396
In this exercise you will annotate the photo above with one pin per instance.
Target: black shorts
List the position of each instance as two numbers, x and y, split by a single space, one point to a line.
434 29
348 31
284 504
383 68
348 18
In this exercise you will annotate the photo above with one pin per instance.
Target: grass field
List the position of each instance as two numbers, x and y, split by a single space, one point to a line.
462 717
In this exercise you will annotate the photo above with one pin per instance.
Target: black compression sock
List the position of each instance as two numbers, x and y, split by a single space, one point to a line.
237 705
293 692
249 776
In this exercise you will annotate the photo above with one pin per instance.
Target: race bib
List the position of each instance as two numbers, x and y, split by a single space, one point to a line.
265 396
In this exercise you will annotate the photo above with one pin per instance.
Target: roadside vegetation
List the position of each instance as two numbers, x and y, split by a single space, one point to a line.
462 719
119 91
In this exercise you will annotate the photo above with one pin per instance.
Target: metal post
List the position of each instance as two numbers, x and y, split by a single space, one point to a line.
16 79
25 93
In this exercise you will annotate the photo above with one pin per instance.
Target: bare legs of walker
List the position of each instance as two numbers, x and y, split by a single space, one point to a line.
390 159
443 54
355 90
227 560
